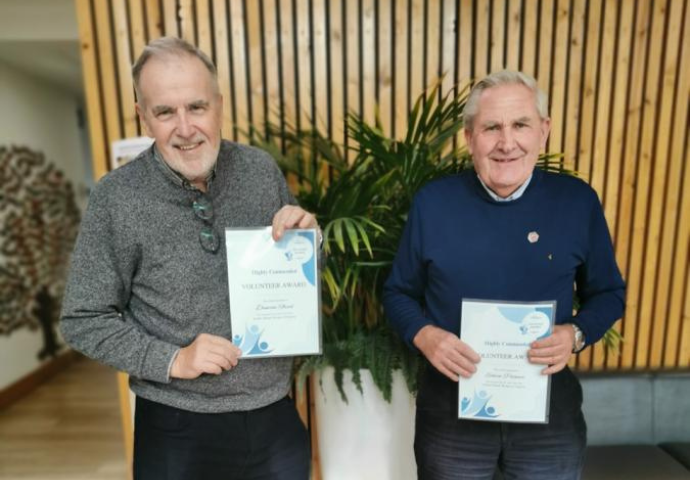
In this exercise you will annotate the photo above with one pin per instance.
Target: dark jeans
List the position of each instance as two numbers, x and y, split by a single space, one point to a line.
269 443
447 448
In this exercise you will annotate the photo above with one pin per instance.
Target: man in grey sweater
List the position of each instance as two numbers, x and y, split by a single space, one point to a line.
148 288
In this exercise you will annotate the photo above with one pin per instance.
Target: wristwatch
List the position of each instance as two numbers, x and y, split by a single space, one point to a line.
579 340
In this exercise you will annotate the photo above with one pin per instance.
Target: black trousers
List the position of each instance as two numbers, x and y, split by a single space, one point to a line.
269 443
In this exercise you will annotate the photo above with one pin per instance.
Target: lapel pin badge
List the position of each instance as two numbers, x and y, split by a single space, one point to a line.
532 237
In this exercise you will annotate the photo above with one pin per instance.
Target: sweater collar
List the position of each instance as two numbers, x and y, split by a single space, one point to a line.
176 177
513 196
490 196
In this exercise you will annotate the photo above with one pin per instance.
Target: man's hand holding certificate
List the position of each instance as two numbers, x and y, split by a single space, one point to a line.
274 289
506 387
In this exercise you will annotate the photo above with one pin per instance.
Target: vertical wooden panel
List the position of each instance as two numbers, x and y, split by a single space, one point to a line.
188 28
170 18
678 333
641 277
352 55
108 77
588 108
546 38
433 40
203 23
338 81
385 67
124 65
661 229
253 31
221 41
401 67
624 233
528 59
589 86
138 38
684 357
571 121
368 59
619 89
482 42
559 80
271 58
614 157
514 34
352 66
320 66
449 20
288 83
416 53
304 64
241 90
498 33
464 49
321 77
126 416
154 20
138 29
603 96
465 53
92 88
449 51
601 125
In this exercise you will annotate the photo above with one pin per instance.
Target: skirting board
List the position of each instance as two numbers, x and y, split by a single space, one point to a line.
35 379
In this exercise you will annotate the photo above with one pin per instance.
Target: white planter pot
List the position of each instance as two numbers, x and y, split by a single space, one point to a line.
366 438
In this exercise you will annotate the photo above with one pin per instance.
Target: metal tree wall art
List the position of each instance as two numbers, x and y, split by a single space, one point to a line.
39 220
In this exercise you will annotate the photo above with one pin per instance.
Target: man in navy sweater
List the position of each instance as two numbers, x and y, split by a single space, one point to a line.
505 231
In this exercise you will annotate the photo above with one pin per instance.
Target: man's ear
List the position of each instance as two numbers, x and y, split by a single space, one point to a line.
142 119
545 130
468 142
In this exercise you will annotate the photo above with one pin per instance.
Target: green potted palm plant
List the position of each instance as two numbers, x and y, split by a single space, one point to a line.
362 206
361 195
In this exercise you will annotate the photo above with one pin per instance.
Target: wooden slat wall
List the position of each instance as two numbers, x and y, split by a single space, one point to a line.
617 73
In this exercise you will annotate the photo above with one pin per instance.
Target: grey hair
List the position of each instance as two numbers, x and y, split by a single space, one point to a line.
504 77
167 47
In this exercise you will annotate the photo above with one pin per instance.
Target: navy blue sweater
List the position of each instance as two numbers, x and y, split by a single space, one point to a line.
459 243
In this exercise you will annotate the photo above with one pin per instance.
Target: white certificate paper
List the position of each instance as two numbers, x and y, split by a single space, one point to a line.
505 387
275 301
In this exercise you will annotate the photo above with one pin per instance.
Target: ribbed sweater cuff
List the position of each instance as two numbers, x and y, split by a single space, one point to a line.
158 361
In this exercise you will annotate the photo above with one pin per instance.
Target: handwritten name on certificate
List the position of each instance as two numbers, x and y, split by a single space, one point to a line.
275 295
505 387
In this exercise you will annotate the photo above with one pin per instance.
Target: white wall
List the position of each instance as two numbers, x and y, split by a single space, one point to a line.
43 117
38 20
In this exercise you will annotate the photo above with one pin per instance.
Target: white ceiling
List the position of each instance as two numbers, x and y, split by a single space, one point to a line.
41 37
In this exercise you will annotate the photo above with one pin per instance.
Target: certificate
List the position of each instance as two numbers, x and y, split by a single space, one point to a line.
505 387
275 301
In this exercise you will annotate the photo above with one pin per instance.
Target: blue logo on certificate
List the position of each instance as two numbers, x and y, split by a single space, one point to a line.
478 406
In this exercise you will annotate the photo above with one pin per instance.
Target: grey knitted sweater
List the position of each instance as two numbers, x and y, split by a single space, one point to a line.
140 285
